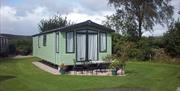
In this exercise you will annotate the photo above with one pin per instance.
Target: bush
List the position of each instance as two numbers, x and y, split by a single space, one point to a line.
22 47
172 40
161 56
147 48
117 64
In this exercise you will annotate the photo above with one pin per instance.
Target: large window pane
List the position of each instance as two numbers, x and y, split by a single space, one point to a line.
44 40
70 42
92 47
103 44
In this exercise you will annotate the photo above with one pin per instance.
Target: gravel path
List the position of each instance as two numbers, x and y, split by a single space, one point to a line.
46 68
178 89
122 89
20 56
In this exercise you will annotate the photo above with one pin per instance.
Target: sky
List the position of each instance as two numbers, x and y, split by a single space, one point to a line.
21 17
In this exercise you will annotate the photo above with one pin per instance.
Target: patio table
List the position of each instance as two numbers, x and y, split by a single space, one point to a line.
97 62
100 64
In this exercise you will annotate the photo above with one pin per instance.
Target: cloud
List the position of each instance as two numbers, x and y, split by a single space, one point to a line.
176 4
157 31
25 25
23 16
77 16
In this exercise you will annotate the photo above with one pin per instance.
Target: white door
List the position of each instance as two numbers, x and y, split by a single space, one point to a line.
87 50
81 47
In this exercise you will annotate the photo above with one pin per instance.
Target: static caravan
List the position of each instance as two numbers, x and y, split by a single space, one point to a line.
3 46
79 42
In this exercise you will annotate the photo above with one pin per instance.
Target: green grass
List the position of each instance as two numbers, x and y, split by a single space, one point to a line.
22 75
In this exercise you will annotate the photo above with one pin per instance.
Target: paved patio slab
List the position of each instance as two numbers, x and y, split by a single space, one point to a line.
178 89
46 68
122 89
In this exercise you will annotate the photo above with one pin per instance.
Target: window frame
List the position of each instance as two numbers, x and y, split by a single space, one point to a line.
73 42
100 42
57 43
44 40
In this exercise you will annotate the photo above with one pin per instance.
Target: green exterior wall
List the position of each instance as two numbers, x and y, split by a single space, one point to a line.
45 52
48 52
66 58
109 47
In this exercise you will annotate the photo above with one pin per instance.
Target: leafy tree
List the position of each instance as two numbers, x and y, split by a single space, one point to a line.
139 14
56 21
172 40
125 48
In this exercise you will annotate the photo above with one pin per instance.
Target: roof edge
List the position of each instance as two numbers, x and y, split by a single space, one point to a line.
85 23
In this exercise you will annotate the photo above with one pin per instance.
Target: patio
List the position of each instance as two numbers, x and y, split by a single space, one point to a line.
93 69
98 73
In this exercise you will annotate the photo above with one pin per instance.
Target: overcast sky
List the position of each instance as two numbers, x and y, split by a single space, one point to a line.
21 17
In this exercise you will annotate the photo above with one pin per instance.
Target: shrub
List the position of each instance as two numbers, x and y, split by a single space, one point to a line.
117 64
161 56
172 40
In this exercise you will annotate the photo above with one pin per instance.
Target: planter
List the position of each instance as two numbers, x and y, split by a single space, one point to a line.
114 72
62 72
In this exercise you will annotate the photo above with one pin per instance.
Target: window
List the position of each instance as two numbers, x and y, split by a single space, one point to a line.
38 41
70 42
103 44
57 42
44 40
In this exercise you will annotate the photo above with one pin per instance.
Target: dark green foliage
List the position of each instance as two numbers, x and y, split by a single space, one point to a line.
19 44
140 50
157 42
12 49
134 15
23 47
157 49
53 23
172 40
116 41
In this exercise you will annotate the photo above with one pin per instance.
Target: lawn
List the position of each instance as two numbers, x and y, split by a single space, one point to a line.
22 75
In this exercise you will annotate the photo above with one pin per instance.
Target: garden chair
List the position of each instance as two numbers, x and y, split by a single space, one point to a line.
92 67
86 65
103 67
77 67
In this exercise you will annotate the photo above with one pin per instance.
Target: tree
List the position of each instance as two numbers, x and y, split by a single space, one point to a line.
140 14
56 21
172 40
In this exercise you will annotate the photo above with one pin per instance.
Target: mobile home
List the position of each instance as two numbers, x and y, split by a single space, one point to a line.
79 42
3 46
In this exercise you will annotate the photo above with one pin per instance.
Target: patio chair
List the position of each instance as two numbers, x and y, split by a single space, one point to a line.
77 67
92 67
103 67
86 65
